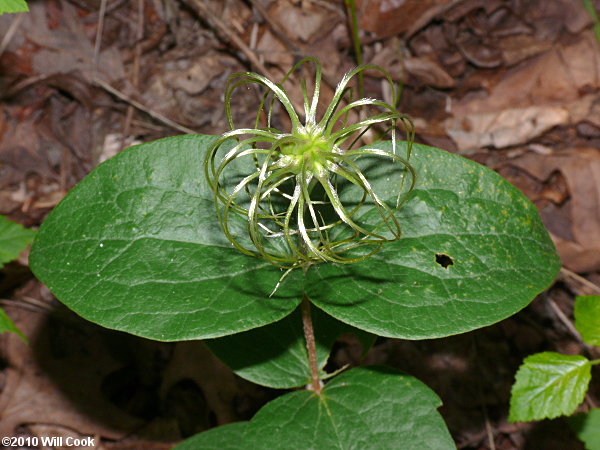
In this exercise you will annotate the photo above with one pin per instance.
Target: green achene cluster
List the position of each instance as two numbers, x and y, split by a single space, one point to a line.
292 199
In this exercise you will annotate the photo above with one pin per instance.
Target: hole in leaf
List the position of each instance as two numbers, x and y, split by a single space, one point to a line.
443 260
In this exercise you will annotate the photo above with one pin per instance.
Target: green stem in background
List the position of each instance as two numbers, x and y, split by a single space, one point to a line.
351 6
309 336
593 362
589 6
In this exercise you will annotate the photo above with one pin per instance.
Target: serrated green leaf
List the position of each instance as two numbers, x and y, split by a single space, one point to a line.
587 428
587 318
549 385
276 355
364 408
136 247
501 255
14 238
13 6
225 437
7 325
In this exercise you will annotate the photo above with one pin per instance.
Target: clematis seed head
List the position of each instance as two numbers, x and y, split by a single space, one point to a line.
303 196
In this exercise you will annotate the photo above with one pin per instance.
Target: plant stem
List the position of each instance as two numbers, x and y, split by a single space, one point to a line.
309 336
593 362
351 7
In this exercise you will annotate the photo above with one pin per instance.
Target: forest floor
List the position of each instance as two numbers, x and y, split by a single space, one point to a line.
511 84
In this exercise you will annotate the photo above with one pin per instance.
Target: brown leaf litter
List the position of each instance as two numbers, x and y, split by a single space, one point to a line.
512 84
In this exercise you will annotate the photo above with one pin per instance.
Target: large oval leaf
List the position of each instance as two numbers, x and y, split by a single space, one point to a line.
364 408
473 252
275 355
136 247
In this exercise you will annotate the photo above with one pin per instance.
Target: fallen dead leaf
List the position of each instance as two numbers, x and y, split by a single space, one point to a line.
391 17
553 17
519 47
424 71
30 395
271 50
531 99
504 128
579 246
306 23
193 361
19 153
62 50
77 378
113 143
557 77
197 76
428 72
480 53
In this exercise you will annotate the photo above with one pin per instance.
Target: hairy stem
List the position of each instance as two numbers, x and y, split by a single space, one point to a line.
309 336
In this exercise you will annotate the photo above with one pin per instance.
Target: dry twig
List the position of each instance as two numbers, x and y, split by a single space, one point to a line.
489 432
98 42
276 28
135 71
204 12
279 31
12 29
584 281
564 319
158 116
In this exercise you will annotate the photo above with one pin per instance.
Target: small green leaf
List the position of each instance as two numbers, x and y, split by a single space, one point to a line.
136 247
366 407
225 437
473 251
13 6
7 325
276 355
13 240
587 428
587 318
548 385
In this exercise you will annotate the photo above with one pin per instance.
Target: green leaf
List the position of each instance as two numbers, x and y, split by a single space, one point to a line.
587 318
459 212
13 6
276 355
548 385
225 437
7 325
587 428
13 240
366 407
136 247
